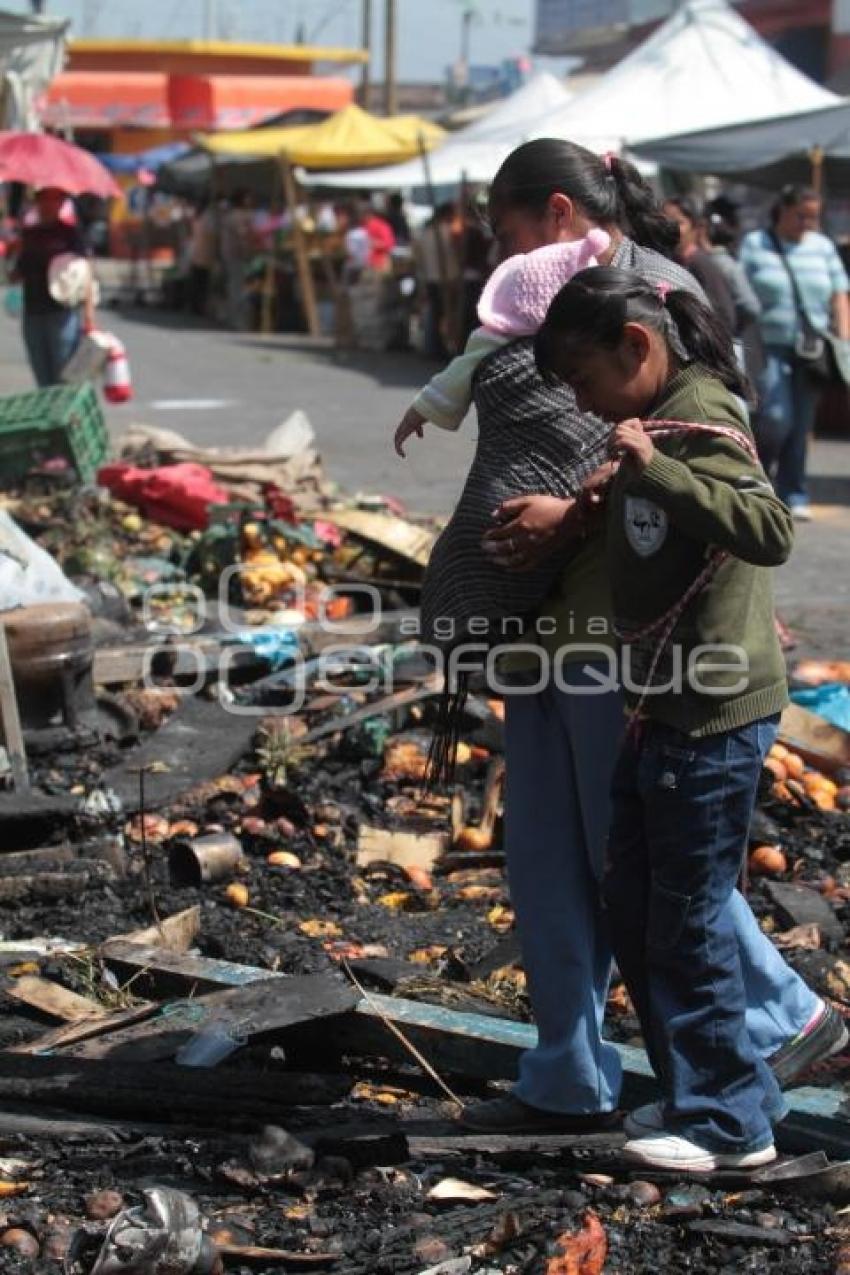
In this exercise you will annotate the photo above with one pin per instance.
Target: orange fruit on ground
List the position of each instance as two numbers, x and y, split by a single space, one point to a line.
768 861
781 792
795 765
779 751
777 769
237 895
823 800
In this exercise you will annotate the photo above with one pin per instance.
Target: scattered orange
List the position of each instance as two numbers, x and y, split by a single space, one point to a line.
419 877
472 838
237 895
777 769
794 764
283 859
768 861
779 751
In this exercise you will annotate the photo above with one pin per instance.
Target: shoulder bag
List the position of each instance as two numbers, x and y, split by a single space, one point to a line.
825 356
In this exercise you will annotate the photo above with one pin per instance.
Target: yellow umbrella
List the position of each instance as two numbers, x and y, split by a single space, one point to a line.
351 138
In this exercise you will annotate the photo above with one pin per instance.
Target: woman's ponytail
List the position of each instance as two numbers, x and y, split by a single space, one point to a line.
707 341
608 189
641 215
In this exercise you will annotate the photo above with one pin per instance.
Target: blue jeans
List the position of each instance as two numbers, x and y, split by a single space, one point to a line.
682 809
50 340
561 750
786 415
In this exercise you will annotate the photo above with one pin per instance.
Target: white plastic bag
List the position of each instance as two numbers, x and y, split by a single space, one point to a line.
89 359
28 574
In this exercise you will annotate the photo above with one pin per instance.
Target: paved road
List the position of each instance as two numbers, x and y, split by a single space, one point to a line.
220 388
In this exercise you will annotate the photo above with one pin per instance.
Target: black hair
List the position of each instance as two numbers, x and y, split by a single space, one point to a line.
611 191
722 221
687 206
790 197
594 307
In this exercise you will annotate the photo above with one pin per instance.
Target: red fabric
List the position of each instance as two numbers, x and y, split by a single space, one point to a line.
177 496
382 239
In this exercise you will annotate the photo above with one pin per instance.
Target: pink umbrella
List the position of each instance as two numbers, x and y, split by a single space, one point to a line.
37 159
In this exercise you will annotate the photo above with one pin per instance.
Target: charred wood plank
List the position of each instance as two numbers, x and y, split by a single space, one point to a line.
157 971
489 1049
185 1095
200 742
801 905
259 1012
254 1255
71 1033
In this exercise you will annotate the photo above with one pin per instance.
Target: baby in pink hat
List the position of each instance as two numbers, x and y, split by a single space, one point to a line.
513 304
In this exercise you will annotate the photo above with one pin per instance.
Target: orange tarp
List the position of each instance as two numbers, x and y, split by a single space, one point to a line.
94 99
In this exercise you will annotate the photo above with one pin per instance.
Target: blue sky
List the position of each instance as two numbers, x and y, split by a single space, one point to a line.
428 30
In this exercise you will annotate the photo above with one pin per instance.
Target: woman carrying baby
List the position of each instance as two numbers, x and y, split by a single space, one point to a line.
535 451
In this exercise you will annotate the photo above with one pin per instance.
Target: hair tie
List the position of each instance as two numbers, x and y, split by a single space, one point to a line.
662 289
608 160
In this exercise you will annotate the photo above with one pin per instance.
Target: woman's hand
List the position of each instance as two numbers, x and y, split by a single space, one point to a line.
631 440
529 529
411 423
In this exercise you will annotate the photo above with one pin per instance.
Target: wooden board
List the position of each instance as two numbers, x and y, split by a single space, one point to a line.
177 933
816 740
161 972
258 1012
406 849
490 1048
803 905
135 1089
53 999
86 1029
200 742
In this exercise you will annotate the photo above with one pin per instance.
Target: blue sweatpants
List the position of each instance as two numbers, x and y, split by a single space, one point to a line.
561 749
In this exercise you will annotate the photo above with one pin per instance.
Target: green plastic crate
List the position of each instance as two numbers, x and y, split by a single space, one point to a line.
64 421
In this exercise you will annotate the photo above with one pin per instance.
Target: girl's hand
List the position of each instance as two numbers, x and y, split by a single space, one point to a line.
528 530
411 423
631 440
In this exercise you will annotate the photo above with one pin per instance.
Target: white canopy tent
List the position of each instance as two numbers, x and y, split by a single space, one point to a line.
475 152
705 67
31 54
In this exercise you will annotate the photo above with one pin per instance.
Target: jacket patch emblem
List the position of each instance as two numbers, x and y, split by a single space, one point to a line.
646 526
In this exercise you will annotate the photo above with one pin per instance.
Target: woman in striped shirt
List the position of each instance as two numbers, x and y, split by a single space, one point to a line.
788 396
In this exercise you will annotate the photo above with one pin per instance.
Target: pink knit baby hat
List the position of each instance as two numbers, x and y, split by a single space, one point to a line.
519 291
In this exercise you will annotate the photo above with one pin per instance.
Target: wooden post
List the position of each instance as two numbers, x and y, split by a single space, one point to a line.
390 95
11 719
816 156
366 41
302 261
449 310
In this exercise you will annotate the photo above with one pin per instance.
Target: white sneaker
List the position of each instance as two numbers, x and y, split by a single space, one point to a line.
644 1120
801 512
669 1151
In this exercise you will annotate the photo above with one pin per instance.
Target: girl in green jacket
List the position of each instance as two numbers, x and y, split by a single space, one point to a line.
692 527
